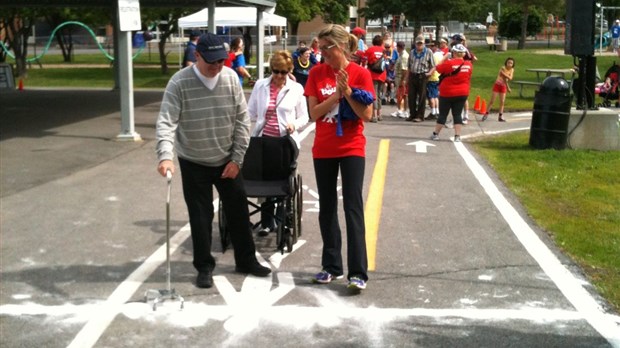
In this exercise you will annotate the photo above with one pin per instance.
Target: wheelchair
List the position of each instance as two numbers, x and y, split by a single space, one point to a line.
270 171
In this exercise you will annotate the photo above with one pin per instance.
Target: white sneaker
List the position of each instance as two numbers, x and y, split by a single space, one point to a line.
404 114
397 114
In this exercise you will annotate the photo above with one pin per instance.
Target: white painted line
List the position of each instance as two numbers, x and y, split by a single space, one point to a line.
474 135
570 286
277 258
522 114
101 318
309 128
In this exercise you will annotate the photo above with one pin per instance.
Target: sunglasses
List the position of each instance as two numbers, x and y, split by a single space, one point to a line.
327 48
219 61
281 72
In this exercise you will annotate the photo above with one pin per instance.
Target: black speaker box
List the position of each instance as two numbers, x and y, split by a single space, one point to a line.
579 37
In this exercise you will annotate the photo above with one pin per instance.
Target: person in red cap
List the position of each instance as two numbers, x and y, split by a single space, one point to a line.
359 33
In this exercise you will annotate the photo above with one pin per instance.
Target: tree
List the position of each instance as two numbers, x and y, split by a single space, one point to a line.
296 11
336 11
379 9
511 24
17 22
167 21
55 17
526 7
423 10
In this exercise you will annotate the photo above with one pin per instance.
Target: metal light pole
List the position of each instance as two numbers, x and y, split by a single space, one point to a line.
499 11
600 34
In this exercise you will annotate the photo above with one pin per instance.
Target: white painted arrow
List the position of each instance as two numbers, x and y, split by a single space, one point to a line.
256 295
420 145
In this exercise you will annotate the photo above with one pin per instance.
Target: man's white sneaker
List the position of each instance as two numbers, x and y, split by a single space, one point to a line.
404 114
397 114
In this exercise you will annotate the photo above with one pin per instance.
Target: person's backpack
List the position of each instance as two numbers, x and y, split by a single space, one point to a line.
377 66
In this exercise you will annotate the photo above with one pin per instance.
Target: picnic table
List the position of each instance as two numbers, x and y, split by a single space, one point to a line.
545 72
548 72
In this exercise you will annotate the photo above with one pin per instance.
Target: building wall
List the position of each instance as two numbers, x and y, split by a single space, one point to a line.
310 29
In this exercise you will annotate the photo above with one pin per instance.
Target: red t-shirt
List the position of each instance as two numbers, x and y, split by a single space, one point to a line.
456 85
322 84
231 57
373 54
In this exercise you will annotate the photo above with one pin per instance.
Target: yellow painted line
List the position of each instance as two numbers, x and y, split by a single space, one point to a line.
372 212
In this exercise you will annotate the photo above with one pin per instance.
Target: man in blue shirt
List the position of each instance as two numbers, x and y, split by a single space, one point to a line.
189 57
615 35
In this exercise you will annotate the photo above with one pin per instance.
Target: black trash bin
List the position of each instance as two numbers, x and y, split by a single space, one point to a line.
552 103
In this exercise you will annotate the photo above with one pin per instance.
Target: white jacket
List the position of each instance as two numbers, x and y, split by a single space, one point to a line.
292 107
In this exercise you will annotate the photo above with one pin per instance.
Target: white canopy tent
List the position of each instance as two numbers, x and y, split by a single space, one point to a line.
237 17
231 17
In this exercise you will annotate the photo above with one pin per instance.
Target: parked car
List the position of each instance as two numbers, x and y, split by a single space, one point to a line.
428 31
476 26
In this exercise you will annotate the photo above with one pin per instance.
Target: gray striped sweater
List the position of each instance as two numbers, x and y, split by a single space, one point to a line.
208 127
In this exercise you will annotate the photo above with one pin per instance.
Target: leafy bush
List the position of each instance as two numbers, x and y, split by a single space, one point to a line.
510 23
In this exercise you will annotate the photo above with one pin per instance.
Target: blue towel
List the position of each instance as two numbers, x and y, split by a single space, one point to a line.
345 112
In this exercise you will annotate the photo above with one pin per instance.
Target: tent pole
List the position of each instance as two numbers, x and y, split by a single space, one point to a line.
211 25
260 59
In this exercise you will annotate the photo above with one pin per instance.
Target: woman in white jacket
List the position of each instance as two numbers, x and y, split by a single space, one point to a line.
278 107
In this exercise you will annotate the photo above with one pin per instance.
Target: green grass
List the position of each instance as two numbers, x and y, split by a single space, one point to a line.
94 77
573 194
485 72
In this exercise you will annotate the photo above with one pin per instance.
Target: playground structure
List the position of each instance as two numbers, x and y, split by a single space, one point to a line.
51 38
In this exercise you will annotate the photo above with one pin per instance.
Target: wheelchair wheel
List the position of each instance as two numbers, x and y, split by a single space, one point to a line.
224 235
289 241
293 220
299 208
281 229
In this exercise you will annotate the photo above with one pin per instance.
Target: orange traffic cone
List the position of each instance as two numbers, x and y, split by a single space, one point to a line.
477 104
483 107
21 85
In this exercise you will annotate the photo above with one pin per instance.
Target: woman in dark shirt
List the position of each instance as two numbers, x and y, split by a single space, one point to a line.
302 65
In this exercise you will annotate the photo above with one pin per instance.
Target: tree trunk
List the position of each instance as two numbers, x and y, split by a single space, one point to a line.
294 28
21 69
247 41
162 54
64 48
20 47
526 14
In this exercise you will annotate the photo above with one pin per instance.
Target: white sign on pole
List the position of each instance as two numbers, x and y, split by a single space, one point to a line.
129 15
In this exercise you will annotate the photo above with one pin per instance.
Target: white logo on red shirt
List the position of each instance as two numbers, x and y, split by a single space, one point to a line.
328 90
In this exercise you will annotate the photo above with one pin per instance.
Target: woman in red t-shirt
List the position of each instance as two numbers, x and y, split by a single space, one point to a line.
453 90
327 84
374 54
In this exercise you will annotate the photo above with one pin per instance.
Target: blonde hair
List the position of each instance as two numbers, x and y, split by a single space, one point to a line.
281 58
338 34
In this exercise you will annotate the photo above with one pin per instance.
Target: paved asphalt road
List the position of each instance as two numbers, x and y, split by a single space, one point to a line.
458 263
